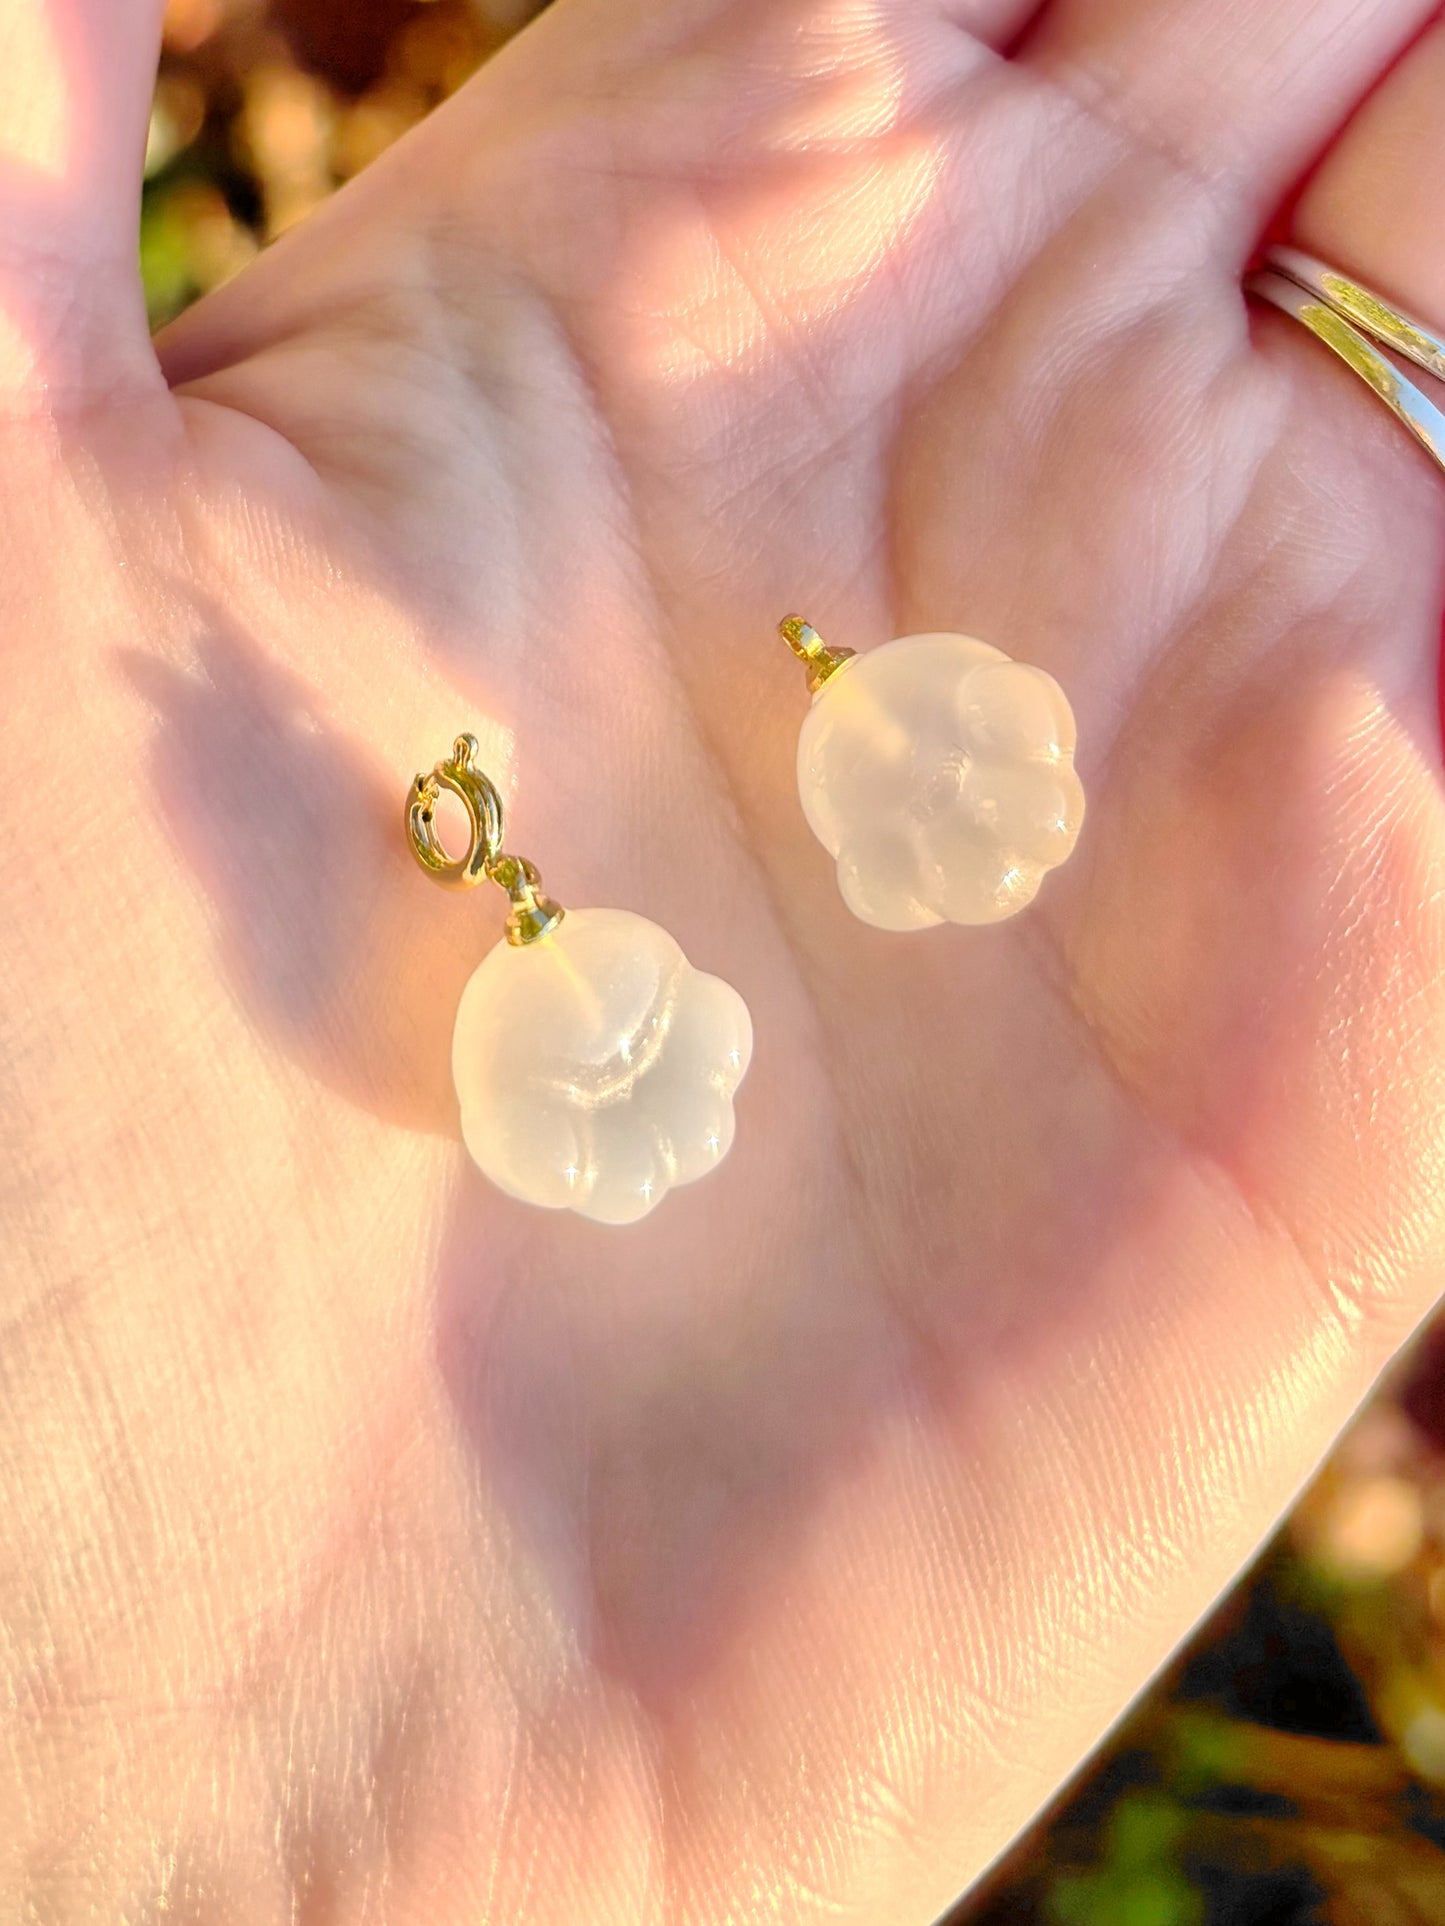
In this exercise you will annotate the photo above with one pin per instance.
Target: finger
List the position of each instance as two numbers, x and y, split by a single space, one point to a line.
614 29
997 23
1375 207
1236 95
75 86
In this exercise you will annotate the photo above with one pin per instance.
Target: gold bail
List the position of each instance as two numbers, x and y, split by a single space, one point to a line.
532 914
812 651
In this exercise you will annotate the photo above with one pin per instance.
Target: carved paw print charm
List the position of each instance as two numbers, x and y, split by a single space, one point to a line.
596 1070
939 775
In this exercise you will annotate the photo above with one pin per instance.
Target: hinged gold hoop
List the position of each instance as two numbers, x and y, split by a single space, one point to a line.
532 915
478 796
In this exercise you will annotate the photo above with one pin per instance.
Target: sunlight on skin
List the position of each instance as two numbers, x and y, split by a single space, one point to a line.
22 367
39 133
727 312
42 130
838 80
735 281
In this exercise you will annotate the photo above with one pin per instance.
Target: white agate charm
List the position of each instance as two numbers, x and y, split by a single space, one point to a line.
594 1066
939 774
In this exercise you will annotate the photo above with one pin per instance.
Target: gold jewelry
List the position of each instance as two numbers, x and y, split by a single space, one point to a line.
594 1066
532 915
939 775
1350 318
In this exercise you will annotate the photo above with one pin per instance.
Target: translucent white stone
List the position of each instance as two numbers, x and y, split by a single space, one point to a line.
596 1067
940 774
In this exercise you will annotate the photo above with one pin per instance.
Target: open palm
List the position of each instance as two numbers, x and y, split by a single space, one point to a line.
375 1548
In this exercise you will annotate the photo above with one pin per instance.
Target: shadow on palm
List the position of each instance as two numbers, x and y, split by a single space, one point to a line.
292 833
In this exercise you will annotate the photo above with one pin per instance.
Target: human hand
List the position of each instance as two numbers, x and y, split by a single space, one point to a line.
377 1549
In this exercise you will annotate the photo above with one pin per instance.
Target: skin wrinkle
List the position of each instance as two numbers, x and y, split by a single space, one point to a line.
1104 97
1104 93
1270 1224
1351 1306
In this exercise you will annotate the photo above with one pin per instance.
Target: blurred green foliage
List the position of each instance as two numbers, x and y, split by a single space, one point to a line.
1138 1880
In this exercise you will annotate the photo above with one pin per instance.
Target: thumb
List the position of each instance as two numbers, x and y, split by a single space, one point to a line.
75 87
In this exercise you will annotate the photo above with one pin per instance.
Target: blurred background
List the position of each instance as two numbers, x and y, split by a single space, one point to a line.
1291 1766
263 107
